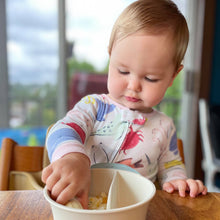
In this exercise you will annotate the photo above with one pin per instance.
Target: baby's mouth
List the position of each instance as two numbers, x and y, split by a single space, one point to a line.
131 99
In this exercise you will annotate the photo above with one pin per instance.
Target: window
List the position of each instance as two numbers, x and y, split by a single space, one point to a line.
33 61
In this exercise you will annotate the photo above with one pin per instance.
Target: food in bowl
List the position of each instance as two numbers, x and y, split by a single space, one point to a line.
74 203
98 202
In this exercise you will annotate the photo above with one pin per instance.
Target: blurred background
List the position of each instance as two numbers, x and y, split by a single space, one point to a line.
55 52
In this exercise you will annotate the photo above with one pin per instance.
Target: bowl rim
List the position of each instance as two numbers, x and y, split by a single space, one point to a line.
115 166
96 211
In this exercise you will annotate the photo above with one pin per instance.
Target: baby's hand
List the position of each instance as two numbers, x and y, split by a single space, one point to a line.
68 177
194 187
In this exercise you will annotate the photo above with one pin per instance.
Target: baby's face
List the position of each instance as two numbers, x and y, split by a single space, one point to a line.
141 69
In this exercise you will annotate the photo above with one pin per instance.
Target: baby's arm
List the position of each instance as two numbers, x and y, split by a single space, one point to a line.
68 177
172 173
194 187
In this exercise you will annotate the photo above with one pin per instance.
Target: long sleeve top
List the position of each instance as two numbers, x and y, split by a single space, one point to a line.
108 132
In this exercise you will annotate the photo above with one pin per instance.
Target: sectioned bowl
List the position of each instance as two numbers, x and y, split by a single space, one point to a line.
130 193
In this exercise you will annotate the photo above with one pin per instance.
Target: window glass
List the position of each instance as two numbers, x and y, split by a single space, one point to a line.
32 45
32 60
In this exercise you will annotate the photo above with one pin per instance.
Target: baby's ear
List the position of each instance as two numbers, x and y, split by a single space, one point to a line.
179 69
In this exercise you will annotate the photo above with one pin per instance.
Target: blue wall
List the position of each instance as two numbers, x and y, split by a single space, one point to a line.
215 82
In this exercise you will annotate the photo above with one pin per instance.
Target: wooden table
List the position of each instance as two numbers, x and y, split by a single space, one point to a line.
31 205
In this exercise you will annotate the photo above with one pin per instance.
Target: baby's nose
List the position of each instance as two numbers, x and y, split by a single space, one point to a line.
134 84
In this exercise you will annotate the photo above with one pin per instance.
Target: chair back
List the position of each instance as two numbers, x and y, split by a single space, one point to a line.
22 162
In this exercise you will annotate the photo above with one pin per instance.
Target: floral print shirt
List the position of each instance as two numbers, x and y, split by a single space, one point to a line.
110 133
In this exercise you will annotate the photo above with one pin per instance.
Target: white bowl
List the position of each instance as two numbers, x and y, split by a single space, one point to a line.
134 193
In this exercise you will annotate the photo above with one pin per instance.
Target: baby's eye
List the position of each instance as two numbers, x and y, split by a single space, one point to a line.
151 80
123 72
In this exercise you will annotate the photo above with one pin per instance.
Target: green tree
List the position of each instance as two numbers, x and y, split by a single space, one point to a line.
38 103
74 65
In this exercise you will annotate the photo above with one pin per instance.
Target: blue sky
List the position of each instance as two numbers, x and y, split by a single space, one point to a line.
33 36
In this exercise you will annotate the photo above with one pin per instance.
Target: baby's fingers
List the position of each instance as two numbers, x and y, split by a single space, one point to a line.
196 187
179 185
70 191
67 193
46 173
168 187
202 188
84 199
182 189
193 187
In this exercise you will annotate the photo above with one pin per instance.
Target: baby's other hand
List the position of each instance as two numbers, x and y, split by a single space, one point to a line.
194 187
68 177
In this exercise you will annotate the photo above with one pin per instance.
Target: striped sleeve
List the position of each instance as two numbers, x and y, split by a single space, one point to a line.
170 163
70 133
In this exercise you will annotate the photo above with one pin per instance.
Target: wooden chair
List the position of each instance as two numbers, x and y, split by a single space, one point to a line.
20 166
180 148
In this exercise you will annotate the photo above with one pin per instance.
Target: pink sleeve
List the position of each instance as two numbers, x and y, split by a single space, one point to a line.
67 148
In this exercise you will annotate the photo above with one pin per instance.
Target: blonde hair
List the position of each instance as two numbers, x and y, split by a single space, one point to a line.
154 17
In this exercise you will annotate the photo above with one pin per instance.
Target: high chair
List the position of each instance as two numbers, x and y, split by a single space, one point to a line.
20 166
